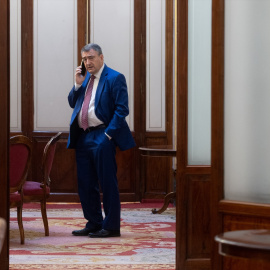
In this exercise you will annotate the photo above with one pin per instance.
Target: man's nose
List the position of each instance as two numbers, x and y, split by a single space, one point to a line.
88 61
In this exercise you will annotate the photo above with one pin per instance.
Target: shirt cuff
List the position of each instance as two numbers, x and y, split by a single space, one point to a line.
77 86
108 136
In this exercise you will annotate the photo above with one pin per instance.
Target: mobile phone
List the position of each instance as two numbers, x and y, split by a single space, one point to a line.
83 68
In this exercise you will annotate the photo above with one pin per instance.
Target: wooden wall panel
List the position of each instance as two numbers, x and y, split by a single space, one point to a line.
125 170
130 164
201 264
64 171
63 174
195 218
198 222
157 172
244 216
156 175
233 264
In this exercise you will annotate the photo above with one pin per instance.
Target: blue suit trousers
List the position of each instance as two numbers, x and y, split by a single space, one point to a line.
96 167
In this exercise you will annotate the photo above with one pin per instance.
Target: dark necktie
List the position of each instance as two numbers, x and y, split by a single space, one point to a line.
86 102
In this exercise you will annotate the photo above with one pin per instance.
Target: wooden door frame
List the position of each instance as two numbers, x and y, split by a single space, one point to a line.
215 171
217 130
4 125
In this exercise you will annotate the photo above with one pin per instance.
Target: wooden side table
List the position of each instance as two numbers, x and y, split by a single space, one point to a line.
160 151
249 244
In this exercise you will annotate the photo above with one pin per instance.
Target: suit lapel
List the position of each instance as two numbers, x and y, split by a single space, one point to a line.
100 87
85 82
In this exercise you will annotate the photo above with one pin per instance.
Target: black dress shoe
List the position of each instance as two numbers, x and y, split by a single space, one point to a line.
105 233
85 231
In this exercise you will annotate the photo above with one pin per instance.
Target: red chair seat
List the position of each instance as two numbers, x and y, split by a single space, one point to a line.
32 188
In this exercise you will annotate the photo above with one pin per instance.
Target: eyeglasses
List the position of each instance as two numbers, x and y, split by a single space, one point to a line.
91 58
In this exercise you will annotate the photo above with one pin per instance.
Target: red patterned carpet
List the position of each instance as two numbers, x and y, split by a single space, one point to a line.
147 241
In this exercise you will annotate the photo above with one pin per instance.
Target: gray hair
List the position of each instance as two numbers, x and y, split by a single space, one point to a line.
92 46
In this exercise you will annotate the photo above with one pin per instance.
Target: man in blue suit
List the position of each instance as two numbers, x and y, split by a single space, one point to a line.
97 126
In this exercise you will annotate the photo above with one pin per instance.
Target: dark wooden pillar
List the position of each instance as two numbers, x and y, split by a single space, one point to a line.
218 13
4 125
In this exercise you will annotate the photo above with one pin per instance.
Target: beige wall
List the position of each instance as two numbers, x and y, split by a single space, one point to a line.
55 57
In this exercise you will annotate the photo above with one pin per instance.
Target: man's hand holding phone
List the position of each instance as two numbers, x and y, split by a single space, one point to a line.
83 70
80 74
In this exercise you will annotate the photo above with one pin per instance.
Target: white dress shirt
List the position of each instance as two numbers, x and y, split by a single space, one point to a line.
92 118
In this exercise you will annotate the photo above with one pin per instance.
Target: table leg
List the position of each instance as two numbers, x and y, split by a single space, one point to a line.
167 199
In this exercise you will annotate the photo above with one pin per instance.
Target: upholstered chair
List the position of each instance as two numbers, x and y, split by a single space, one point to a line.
20 151
39 189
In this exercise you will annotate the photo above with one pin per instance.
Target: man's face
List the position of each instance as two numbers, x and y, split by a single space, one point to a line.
92 61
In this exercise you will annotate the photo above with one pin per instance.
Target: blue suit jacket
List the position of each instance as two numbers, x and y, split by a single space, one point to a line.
111 107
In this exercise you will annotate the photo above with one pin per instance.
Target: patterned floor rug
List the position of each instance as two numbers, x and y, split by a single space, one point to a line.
147 240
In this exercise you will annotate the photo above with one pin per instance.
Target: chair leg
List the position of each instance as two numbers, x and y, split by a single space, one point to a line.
44 217
20 223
